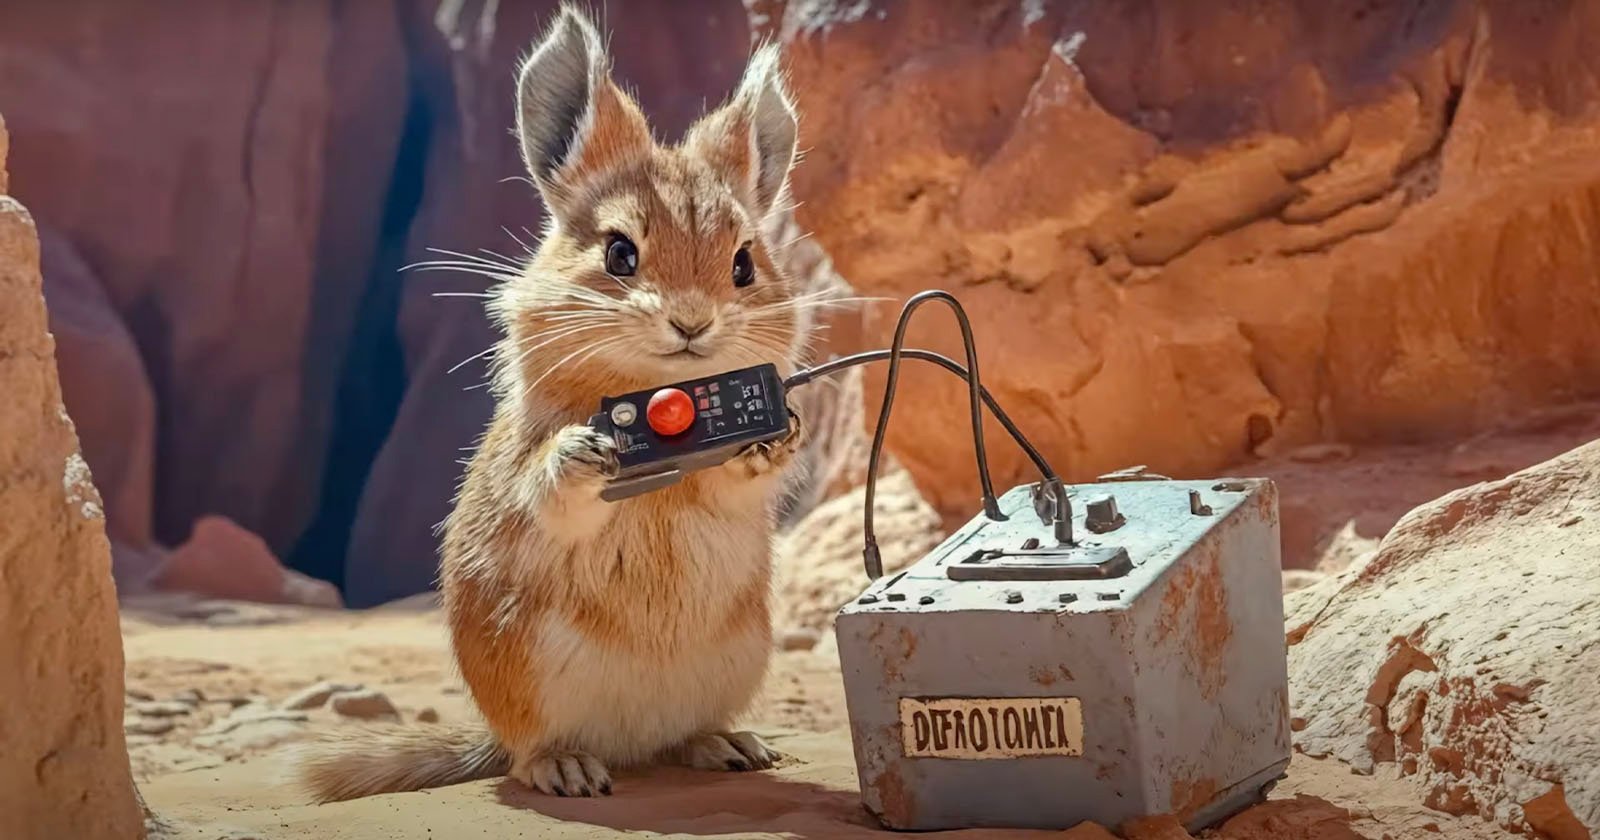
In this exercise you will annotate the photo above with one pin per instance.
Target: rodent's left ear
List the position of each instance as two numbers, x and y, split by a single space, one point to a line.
751 140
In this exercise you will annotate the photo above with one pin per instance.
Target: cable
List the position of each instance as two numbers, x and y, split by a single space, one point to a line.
835 365
1050 495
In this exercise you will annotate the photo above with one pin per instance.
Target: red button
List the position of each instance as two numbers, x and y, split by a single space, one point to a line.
670 411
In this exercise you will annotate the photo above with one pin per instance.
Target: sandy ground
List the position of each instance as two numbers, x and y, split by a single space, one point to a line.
208 682
218 674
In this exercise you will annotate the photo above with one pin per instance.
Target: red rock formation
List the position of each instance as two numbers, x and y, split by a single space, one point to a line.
230 200
1194 232
222 171
1463 651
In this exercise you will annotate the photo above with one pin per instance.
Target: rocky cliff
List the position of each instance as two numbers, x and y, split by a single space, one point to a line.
1193 233
228 196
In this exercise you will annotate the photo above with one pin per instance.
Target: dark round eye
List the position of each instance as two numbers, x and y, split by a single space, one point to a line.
622 258
744 269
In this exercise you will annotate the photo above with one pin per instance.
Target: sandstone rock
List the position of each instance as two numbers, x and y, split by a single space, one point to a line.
427 714
64 768
1464 651
111 401
222 560
1192 232
315 696
364 704
232 225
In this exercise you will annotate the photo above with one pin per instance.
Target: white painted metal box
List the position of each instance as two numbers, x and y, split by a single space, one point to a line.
1005 680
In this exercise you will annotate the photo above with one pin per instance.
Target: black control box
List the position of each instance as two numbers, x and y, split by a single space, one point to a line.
665 433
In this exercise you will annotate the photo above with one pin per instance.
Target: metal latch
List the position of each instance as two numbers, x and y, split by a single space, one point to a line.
1031 562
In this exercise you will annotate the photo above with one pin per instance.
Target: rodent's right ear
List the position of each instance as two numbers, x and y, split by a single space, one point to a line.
572 120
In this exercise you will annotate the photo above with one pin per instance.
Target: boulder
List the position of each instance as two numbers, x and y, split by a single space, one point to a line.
64 768
1464 652
1193 233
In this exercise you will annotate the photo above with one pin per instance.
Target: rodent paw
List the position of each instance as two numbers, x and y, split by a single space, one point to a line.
581 453
735 751
562 773
763 458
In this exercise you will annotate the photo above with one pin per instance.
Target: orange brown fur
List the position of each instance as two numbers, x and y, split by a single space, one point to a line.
594 634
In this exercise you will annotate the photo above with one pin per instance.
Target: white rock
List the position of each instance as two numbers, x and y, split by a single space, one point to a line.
1466 651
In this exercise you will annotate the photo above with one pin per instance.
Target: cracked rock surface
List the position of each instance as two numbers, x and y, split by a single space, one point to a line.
1192 233
63 764
1464 652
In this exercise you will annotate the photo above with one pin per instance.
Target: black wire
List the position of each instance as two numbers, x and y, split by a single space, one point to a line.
835 365
871 556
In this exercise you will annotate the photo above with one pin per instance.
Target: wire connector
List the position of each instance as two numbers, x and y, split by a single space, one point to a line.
873 560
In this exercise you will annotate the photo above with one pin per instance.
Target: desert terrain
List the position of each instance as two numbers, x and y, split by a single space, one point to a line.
1347 246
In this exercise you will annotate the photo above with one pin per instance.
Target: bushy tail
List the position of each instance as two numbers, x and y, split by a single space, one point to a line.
353 763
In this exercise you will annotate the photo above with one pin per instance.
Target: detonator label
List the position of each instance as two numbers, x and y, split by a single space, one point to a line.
1011 727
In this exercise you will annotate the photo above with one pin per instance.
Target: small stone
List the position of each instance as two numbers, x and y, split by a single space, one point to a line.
138 694
147 726
315 696
161 708
365 704
427 714
253 734
190 697
798 639
249 715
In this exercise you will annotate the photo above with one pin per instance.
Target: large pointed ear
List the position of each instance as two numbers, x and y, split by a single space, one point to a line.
751 140
573 121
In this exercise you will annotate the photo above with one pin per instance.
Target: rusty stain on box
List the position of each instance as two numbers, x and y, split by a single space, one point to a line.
1006 680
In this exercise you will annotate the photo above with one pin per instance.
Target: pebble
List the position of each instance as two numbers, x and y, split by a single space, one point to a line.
798 639
364 704
316 696
161 708
250 715
147 726
191 696
427 714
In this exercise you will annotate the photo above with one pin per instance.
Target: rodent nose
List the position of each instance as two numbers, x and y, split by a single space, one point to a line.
690 331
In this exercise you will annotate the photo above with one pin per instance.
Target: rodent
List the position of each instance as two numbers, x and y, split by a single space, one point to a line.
594 635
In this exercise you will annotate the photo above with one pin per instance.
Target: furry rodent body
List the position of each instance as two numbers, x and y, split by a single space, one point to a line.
591 634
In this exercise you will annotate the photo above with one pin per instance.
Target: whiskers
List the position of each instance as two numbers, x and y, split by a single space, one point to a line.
565 311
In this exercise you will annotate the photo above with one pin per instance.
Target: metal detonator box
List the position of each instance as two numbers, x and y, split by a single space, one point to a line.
1015 679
